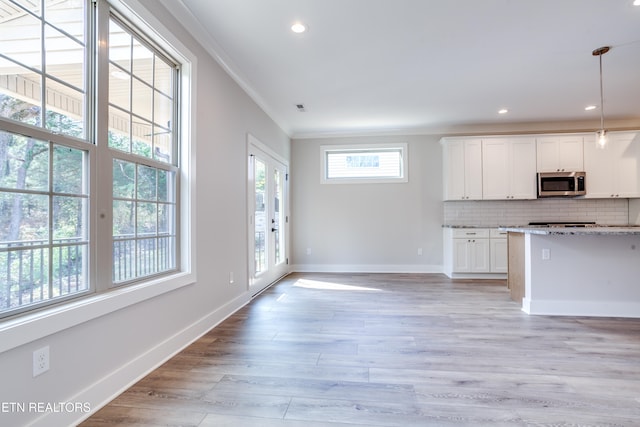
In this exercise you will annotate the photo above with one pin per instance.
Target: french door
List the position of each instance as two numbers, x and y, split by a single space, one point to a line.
268 217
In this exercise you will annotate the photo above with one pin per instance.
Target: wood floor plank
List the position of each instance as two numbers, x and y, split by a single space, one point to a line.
329 389
217 420
335 350
113 415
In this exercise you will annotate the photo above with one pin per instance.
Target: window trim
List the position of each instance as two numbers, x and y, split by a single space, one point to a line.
325 150
26 326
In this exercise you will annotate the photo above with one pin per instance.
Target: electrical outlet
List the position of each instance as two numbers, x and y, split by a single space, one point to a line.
40 361
546 254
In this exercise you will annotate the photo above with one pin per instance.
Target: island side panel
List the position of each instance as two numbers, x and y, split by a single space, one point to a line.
516 261
584 275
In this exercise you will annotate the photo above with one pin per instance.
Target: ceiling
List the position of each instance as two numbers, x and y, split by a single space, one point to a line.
424 66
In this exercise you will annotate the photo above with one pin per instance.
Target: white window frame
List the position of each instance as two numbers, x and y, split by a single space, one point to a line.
59 315
325 150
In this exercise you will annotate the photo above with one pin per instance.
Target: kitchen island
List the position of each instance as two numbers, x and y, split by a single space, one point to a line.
591 271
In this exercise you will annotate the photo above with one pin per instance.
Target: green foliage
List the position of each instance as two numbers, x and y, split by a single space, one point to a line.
29 211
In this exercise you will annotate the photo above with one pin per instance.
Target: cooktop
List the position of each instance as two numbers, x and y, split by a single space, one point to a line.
564 224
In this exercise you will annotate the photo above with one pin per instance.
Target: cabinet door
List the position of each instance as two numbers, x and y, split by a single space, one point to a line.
454 166
612 171
461 255
627 162
480 261
522 169
571 154
473 169
499 255
547 155
559 153
495 169
509 169
599 167
463 169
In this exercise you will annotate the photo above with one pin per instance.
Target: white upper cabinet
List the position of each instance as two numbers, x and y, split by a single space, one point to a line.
509 168
462 169
613 171
560 153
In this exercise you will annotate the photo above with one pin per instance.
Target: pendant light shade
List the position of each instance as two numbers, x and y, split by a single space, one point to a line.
601 135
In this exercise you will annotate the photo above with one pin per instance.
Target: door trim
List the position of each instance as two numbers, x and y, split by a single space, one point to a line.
254 144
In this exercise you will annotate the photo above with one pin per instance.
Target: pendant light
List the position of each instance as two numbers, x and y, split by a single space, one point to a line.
601 135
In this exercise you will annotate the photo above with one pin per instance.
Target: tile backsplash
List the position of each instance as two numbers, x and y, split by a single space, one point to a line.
492 213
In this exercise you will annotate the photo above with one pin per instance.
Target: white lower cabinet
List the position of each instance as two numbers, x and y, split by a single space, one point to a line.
471 255
475 250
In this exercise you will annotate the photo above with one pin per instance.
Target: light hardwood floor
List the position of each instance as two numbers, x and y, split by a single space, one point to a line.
392 350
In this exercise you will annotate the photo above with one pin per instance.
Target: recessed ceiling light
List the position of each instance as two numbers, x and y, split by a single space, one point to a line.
591 107
636 3
298 28
503 111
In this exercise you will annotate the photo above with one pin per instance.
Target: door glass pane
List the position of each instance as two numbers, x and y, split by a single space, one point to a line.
260 221
278 216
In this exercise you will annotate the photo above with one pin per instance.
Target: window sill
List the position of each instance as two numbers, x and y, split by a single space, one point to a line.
30 327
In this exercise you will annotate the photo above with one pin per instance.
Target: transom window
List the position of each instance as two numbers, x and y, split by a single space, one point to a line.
364 163
53 139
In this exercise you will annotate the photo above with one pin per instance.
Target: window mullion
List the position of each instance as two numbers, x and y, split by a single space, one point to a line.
50 242
101 173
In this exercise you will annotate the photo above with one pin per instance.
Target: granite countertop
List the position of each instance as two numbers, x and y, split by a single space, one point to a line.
478 226
610 230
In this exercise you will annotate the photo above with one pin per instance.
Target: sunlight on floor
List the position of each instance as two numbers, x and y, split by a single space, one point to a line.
316 284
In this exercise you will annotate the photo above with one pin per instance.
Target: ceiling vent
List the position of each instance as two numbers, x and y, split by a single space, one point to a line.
300 108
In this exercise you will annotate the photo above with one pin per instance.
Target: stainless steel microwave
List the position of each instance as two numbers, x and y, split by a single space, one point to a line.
561 184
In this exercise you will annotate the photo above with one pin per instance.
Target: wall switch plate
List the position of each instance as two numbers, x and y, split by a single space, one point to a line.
546 254
40 361
419 251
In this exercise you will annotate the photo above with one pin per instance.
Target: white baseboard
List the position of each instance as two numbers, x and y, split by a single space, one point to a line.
366 268
109 387
476 276
630 309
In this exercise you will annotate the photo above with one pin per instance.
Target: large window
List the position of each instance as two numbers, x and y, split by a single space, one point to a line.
54 140
142 93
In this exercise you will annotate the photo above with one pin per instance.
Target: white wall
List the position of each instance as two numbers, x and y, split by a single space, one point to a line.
367 227
98 358
584 275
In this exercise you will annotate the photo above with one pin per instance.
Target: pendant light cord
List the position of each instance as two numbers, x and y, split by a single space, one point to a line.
601 51
601 96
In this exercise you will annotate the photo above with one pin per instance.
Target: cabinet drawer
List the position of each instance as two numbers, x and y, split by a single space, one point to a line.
470 233
497 234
